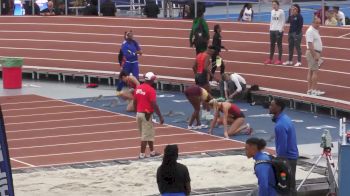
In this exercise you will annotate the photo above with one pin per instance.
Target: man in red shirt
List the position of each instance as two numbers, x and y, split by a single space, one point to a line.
145 102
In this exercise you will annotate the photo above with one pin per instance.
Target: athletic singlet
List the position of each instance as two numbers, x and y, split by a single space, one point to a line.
204 95
247 15
201 57
130 84
234 110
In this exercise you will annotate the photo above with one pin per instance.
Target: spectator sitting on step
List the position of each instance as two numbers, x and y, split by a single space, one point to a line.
60 9
108 8
232 85
331 19
29 9
49 11
151 9
340 16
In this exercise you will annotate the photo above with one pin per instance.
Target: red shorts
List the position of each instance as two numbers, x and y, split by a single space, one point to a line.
193 91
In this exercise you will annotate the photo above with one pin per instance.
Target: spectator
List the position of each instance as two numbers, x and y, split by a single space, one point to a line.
232 85
247 13
60 9
145 102
49 11
276 32
168 4
331 19
313 56
91 8
127 92
199 36
295 35
263 171
318 13
285 138
216 44
28 8
7 7
108 8
151 9
173 178
340 16
130 49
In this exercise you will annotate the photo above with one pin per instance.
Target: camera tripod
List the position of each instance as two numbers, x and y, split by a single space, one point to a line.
330 168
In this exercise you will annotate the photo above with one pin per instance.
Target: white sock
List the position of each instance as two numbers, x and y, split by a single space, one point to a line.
142 155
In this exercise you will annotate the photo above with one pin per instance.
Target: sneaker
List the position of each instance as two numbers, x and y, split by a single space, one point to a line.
309 92
201 126
278 62
155 154
288 63
298 64
213 83
268 61
318 92
142 156
192 127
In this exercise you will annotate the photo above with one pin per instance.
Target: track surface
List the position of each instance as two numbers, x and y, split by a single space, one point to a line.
92 43
46 132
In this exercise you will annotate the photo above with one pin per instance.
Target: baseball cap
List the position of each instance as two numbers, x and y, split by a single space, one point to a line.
150 76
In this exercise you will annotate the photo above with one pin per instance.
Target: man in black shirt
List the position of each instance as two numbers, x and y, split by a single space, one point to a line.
173 177
49 11
151 9
29 9
108 8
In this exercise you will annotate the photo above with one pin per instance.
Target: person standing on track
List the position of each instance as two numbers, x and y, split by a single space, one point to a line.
130 49
216 60
201 68
313 56
233 116
276 33
295 34
199 36
247 13
145 102
197 95
285 138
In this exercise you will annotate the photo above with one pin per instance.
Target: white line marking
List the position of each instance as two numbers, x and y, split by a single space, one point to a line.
112 149
54 113
60 120
24 102
24 163
34 108
98 141
342 36
80 134
75 126
128 158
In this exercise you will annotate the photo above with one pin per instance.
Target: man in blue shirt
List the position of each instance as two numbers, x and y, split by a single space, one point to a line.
263 171
285 138
130 49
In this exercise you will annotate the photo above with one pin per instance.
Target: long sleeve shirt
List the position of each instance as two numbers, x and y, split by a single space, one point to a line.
296 24
129 49
217 42
277 20
285 138
195 25
265 174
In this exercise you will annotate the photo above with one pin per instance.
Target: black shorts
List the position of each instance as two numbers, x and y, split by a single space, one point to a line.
201 79
241 115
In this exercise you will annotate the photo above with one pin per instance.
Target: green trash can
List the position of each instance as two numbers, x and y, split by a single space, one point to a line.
11 72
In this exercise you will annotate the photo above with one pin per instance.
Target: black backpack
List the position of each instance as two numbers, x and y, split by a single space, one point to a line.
200 36
282 171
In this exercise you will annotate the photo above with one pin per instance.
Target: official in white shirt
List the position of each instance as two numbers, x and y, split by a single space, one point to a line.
232 85
313 56
340 16
276 33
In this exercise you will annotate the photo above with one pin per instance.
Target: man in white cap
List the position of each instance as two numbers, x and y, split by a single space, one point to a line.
145 102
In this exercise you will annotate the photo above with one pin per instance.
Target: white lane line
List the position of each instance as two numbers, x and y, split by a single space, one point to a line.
46 114
35 108
141 27
61 120
24 102
129 158
342 36
87 132
98 141
74 126
112 149
22 162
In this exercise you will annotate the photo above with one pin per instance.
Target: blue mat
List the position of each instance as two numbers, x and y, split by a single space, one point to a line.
309 126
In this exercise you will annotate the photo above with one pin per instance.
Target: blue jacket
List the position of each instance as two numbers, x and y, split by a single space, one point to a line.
129 49
286 139
296 24
265 174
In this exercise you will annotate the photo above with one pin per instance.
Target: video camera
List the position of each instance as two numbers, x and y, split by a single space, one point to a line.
326 140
